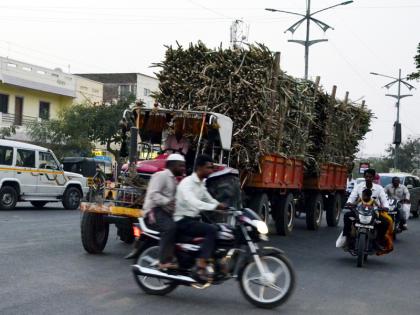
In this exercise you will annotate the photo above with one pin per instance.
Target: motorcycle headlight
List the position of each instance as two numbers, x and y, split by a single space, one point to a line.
261 227
365 219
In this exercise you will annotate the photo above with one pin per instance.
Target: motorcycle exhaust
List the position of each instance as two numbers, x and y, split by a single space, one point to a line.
144 271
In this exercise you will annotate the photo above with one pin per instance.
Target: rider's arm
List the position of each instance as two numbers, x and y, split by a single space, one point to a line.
354 195
187 192
383 199
406 192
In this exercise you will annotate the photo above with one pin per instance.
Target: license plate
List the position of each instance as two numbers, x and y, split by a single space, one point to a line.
364 226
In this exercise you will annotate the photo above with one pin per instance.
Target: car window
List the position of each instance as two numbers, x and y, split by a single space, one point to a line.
6 155
409 181
416 182
25 158
47 161
385 180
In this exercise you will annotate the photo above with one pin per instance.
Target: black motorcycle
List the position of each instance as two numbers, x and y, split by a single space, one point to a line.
266 277
364 233
395 211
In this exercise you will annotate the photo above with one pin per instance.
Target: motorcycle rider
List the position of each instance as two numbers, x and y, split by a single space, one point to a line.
378 194
398 191
192 197
159 207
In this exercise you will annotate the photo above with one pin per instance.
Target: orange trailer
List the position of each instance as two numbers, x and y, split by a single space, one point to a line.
281 188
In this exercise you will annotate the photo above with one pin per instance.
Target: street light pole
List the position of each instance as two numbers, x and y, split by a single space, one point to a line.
308 17
398 97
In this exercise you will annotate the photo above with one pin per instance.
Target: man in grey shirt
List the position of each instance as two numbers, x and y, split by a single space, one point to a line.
400 192
159 207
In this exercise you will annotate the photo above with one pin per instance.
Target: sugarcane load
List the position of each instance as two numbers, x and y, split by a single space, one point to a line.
282 146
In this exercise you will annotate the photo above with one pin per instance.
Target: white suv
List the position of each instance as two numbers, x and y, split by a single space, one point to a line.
32 173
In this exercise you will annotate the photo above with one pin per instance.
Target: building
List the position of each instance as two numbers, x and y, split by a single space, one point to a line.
29 92
117 85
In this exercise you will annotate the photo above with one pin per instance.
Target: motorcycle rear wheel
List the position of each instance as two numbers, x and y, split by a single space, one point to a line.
281 268
150 258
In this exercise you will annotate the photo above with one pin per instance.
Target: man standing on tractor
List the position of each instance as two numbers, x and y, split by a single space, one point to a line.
159 207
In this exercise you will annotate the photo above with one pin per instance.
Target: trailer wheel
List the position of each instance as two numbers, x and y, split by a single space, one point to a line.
314 208
333 209
94 232
284 215
261 205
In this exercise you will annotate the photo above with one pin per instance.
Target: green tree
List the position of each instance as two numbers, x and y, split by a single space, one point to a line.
408 154
79 127
416 75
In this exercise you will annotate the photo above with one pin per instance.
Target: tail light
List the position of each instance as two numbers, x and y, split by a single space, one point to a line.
136 231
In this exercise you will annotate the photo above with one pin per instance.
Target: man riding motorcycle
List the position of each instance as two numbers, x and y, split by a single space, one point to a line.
159 207
400 192
385 243
192 197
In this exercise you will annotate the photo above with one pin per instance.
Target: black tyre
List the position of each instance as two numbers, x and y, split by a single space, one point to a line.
94 232
71 199
283 283
38 204
417 211
284 215
261 205
149 258
8 198
314 208
361 250
126 235
333 209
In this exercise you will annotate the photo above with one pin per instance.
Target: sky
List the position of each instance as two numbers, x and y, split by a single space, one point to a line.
84 36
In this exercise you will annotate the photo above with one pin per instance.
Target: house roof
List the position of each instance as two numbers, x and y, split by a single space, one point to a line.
113 77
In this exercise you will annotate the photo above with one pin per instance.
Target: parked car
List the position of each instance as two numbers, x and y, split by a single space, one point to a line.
411 182
33 173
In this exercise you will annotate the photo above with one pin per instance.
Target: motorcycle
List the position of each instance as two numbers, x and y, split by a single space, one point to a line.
266 277
364 232
395 211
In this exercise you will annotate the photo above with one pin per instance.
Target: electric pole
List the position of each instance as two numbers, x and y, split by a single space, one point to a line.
308 17
397 126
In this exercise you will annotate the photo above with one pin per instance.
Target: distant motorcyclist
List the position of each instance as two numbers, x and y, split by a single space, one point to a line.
379 196
398 191
192 197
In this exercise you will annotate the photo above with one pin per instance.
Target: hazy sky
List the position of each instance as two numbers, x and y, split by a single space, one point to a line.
128 36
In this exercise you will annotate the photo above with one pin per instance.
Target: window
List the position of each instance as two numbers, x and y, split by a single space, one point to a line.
134 89
44 110
4 103
25 158
6 155
124 90
409 181
146 92
416 182
47 161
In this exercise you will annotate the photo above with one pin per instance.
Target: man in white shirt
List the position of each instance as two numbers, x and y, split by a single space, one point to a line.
192 197
400 192
378 194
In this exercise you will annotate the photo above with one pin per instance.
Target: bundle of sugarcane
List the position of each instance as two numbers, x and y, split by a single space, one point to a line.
272 112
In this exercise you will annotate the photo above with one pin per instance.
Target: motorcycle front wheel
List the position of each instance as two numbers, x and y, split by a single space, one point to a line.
149 258
361 250
274 288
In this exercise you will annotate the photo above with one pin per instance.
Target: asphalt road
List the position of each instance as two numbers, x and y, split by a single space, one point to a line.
44 270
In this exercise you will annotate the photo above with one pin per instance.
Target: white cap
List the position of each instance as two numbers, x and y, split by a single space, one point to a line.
176 157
